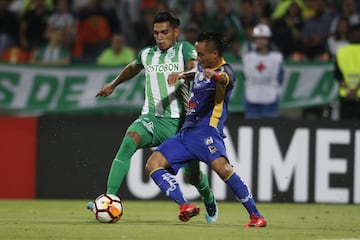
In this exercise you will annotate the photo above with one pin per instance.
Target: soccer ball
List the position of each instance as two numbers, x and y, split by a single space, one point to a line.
108 208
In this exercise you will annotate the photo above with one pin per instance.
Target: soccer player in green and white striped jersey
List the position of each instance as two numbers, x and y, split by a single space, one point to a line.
165 105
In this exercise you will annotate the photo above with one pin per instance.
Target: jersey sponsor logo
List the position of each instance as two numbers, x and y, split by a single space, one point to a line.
192 104
191 107
166 67
212 149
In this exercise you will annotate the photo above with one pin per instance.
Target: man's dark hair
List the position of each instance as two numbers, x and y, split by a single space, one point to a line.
215 41
167 17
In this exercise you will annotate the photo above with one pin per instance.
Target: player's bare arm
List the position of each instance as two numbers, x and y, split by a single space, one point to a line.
188 74
130 71
219 77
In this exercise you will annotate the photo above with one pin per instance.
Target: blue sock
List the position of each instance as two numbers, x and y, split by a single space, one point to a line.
242 192
169 185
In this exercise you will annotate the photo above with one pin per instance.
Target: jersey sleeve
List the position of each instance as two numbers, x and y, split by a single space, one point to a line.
230 72
189 51
138 60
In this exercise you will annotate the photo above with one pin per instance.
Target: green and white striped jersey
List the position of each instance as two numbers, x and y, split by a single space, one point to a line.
161 99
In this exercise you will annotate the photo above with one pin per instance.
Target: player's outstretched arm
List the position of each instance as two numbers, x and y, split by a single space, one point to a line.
188 74
174 77
218 77
130 71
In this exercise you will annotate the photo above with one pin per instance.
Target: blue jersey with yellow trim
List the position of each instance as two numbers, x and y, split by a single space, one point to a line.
208 104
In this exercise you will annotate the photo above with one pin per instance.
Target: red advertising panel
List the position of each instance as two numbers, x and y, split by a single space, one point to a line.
17 157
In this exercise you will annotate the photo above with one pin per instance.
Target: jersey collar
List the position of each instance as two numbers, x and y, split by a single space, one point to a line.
221 63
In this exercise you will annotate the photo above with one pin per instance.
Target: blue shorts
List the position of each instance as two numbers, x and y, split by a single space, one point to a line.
204 144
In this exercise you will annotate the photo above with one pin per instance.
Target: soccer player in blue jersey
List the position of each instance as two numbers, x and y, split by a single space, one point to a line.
201 136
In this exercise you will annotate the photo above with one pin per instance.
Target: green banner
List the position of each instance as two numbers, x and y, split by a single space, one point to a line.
28 89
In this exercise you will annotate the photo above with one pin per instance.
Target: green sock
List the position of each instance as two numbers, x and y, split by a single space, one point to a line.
120 165
204 189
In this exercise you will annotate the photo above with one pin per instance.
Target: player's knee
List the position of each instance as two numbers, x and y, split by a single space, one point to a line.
222 167
150 166
226 172
156 160
127 149
193 179
135 137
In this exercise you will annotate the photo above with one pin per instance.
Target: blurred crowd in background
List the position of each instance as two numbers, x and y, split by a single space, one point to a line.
111 32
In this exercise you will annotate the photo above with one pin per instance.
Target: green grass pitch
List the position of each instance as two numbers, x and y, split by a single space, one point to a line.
69 219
